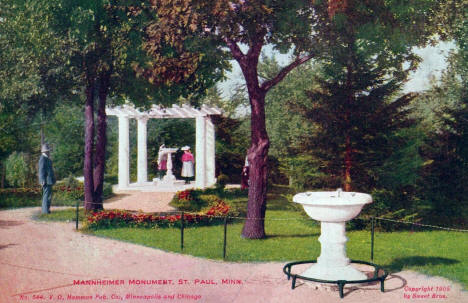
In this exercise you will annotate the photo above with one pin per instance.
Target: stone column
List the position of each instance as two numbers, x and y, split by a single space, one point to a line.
210 153
200 170
142 172
124 153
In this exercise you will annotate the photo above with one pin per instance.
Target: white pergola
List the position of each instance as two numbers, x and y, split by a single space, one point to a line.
204 145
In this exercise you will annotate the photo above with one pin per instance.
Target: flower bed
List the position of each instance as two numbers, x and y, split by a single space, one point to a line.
120 218
196 200
64 193
21 191
20 197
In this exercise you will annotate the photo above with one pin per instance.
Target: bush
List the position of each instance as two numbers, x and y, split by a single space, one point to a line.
188 200
222 180
112 179
209 199
70 190
275 175
16 170
395 205
107 191
196 200
64 193
71 182
20 197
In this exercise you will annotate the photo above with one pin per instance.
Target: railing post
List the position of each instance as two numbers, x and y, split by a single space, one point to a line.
77 213
372 239
225 237
182 231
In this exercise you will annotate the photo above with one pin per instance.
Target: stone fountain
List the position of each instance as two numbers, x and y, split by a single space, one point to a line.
169 180
333 209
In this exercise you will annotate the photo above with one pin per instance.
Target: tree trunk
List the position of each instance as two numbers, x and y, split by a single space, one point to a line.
254 227
101 141
350 99
89 146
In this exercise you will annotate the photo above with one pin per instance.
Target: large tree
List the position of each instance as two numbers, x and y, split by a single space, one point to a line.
118 58
370 54
32 74
244 28
104 50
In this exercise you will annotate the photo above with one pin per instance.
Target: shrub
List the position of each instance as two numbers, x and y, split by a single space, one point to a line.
222 180
20 197
209 199
71 182
70 190
16 170
196 200
107 191
188 200
67 194
64 194
395 205
112 179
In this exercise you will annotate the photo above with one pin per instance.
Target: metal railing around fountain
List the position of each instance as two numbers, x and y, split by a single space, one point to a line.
379 274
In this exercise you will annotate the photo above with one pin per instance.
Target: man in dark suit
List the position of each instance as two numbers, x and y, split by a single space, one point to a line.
46 178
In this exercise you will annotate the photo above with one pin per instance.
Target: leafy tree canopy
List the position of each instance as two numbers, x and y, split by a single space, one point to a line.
33 57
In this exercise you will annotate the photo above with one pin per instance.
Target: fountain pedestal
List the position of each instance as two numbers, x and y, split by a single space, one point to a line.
333 264
333 209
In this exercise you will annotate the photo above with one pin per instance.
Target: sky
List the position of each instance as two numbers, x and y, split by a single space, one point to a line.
432 65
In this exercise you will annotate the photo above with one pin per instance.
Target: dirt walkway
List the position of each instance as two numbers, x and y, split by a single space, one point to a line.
51 262
141 201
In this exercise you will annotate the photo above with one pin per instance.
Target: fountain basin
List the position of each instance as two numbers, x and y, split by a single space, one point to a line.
332 206
333 209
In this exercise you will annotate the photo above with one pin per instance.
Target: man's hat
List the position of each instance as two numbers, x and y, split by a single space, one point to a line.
186 147
45 148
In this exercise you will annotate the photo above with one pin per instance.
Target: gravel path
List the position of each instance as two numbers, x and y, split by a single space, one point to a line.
141 201
51 262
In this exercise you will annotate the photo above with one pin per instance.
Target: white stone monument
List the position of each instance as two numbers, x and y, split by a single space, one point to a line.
169 178
204 145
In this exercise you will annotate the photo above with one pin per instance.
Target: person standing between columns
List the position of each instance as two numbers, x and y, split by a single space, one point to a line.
46 178
187 164
245 174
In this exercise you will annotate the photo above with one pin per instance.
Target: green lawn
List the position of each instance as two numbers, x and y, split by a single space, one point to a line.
68 214
438 253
